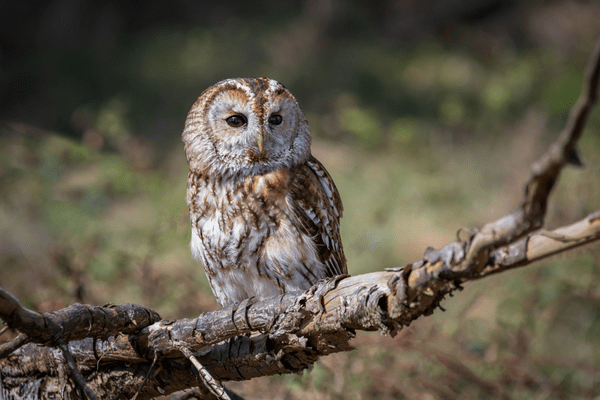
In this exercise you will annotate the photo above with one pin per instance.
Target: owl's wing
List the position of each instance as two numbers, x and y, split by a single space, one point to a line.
318 206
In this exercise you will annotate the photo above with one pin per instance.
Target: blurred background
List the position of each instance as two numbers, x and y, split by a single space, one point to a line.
428 115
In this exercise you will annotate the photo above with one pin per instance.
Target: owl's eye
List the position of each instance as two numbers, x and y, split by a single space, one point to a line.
236 120
275 119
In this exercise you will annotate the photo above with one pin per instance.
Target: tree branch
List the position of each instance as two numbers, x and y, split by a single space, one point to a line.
75 322
545 173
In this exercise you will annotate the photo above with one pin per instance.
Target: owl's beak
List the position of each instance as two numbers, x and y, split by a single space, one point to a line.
259 141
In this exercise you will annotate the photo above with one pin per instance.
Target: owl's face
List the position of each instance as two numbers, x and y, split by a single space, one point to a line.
245 126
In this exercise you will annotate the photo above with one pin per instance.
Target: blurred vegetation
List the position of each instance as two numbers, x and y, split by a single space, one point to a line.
427 114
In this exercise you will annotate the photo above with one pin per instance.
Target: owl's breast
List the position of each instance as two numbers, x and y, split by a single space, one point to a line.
248 238
233 219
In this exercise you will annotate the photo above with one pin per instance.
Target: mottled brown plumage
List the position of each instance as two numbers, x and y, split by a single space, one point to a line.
264 212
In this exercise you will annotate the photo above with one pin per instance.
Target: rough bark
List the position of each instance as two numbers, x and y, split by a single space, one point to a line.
132 354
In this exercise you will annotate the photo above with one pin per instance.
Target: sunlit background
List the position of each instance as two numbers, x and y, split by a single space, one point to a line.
428 115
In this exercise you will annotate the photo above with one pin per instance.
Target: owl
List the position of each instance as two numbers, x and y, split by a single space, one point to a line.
264 212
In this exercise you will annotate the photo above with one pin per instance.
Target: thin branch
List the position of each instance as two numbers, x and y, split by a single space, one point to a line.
8 347
75 371
146 378
215 387
544 244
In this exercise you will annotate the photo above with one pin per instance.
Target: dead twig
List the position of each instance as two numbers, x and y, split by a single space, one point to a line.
146 378
211 383
75 371
8 347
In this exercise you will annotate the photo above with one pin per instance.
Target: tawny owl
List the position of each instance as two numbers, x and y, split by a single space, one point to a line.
265 213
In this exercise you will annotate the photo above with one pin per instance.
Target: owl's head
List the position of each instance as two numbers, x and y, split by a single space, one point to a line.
245 126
